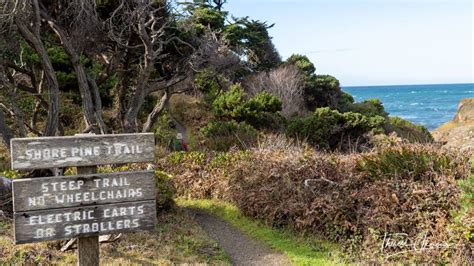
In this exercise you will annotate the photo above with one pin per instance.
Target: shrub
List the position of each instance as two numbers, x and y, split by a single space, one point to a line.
303 63
210 84
165 191
319 90
322 91
233 105
221 136
164 131
330 129
371 107
414 162
408 130
330 195
345 102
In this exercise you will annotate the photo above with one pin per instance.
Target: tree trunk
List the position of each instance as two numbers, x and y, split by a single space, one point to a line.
36 109
137 100
159 107
97 105
87 104
5 130
52 120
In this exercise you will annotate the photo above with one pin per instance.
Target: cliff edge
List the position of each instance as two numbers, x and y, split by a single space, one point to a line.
459 133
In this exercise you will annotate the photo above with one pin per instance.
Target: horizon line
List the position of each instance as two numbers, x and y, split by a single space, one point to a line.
416 84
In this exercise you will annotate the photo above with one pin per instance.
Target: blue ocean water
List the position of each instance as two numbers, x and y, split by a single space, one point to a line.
429 105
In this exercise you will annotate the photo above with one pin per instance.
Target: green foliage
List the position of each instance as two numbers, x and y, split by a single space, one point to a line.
303 63
370 107
250 38
164 191
322 91
209 83
263 102
255 111
319 90
180 157
412 162
206 17
407 130
330 129
164 132
231 103
345 102
221 135
11 174
59 57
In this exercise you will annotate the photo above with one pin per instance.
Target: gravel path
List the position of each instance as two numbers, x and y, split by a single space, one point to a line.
241 249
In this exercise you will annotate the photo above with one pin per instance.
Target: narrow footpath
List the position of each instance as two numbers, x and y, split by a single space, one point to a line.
241 249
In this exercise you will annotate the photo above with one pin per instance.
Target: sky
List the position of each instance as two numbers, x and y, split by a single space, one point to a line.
373 42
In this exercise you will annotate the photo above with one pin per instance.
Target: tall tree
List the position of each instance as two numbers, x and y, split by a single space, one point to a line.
24 17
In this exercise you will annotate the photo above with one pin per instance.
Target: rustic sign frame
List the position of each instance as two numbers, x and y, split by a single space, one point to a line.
56 207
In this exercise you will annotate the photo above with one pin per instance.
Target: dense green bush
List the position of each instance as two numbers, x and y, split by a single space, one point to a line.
230 104
370 107
322 91
345 101
222 135
331 130
256 111
374 108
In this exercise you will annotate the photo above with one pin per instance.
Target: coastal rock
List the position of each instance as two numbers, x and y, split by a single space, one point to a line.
459 133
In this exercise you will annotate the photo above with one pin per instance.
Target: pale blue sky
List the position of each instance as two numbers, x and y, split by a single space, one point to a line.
373 42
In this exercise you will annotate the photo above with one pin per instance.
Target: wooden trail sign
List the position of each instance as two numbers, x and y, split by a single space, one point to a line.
88 204
65 223
31 194
50 152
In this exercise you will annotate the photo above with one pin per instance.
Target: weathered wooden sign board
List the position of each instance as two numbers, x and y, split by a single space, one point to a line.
62 207
71 191
65 223
50 152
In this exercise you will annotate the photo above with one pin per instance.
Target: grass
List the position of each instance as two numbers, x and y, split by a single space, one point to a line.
302 250
467 188
178 239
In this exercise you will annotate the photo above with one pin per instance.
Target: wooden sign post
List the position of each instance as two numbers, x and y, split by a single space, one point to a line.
88 251
89 204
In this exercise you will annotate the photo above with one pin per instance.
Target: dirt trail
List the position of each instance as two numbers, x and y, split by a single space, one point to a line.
241 249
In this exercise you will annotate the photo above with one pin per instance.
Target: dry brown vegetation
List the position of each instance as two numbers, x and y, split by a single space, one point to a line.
353 199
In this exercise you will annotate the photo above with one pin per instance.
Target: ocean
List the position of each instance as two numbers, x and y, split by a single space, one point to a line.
429 105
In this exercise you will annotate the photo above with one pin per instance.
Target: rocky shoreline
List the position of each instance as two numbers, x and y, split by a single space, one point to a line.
459 132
